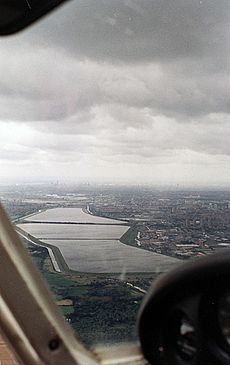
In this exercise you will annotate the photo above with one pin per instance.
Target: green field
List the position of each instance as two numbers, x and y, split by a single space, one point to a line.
104 308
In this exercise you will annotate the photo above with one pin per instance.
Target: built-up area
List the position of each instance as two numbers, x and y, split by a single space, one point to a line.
175 222
182 224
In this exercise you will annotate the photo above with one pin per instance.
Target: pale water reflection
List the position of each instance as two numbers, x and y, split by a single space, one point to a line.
91 244
108 256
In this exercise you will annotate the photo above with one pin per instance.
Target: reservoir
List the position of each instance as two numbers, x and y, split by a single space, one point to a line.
93 247
74 215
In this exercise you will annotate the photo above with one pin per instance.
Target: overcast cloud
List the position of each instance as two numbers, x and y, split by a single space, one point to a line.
131 91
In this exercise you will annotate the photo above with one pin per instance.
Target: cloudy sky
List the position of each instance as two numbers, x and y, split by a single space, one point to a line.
132 91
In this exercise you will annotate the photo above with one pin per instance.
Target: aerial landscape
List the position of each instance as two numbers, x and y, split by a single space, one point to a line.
91 247
100 247
114 152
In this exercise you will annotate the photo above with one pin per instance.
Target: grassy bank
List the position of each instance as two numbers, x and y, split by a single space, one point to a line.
103 309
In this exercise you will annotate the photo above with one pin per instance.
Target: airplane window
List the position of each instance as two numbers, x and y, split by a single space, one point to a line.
114 152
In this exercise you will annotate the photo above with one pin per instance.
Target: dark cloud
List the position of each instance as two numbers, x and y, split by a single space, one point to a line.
169 90
128 86
134 30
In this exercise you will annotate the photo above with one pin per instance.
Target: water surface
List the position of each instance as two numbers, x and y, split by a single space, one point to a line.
80 231
93 248
103 256
77 215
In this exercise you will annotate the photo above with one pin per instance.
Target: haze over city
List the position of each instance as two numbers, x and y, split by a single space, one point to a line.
119 92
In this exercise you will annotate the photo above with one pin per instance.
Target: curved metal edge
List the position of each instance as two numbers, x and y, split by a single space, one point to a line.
29 319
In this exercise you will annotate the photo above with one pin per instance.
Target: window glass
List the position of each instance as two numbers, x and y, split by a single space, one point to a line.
114 155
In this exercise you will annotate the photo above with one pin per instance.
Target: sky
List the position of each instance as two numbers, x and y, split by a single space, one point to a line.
126 92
